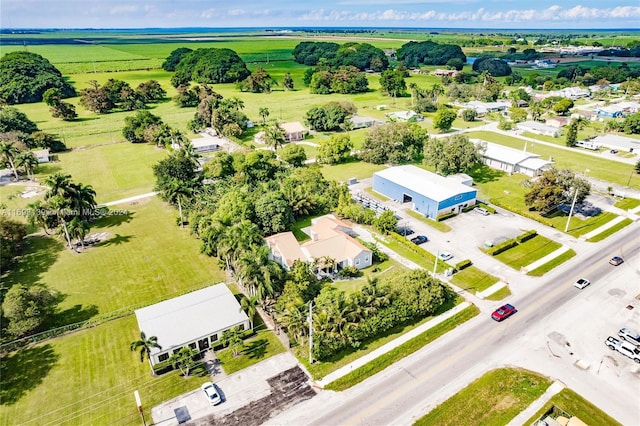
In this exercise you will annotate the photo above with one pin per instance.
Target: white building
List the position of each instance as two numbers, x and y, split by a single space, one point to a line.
538 128
621 143
359 122
571 93
196 319
406 116
42 155
512 160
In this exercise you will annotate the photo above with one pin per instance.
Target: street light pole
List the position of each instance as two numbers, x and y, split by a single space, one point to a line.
435 264
139 404
573 204
310 319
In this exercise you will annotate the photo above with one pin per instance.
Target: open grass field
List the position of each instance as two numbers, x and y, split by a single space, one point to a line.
345 171
528 252
543 269
84 378
575 405
384 270
473 279
145 258
263 345
493 399
607 170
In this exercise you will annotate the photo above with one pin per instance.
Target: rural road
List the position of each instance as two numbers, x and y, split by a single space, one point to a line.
418 383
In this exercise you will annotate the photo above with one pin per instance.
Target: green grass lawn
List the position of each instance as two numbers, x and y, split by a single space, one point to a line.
528 252
415 254
263 345
146 258
575 405
385 269
610 231
357 169
473 279
84 378
600 168
493 399
627 203
319 369
500 294
543 269
369 190
380 363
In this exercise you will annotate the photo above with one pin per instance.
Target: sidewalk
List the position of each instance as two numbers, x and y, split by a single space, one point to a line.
130 199
545 259
536 405
603 228
389 346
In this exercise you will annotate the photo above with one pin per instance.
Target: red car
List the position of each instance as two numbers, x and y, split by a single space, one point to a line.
503 312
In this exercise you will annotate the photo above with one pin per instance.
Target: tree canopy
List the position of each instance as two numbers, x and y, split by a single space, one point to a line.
360 55
174 58
429 53
394 143
346 79
455 154
494 66
25 76
329 117
210 65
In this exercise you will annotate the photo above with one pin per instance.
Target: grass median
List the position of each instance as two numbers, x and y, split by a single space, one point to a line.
575 405
543 269
358 375
610 231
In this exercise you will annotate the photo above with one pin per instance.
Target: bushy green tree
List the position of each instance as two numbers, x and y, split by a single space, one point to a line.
184 359
394 143
572 134
631 123
135 126
563 106
494 66
386 222
443 119
330 116
12 235
336 149
27 308
414 53
211 65
455 154
174 58
469 114
293 154
393 84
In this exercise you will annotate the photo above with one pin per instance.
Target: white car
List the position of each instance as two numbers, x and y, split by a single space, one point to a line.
211 392
445 255
581 283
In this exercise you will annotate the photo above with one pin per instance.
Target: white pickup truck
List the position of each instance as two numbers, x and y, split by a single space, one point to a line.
630 335
625 348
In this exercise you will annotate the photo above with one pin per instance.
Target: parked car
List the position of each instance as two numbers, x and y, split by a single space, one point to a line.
211 392
445 255
503 312
581 283
483 212
405 231
631 336
616 260
420 239
625 348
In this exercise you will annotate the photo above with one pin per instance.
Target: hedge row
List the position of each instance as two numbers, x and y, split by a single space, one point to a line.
525 213
526 236
463 264
495 250
445 217
486 207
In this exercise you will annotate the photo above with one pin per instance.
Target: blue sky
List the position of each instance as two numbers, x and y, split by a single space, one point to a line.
331 13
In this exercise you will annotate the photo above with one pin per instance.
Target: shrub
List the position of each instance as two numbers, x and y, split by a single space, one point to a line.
493 251
463 264
526 236
524 213
349 272
163 367
486 207
445 217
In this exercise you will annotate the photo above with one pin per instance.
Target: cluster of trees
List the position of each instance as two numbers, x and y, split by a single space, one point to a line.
261 82
207 65
394 143
119 94
330 117
630 124
335 150
25 76
324 80
455 154
360 55
425 99
58 108
144 127
393 84
494 66
554 188
414 54
341 321
16 128
224 115
12 234
461 88
174 58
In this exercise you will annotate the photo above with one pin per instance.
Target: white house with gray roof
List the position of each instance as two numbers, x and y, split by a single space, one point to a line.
538 128
512 160
195 319
621 143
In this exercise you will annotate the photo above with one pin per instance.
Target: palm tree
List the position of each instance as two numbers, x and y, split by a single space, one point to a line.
176 191
414 93
236 103
190 153
38 215
78 228
28 161
61 205
274 136
264 113
82 199
145 345
9 151
58 184
294 320
250 306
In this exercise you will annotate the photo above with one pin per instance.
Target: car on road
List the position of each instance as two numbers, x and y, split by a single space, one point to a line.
630 335
483 212
211 392
445 255
581 283
503 312
420 239
625 348
616 260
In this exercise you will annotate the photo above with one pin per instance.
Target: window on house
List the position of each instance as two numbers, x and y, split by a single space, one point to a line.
214 338
163 357
175 351
192 345
242 327
357 261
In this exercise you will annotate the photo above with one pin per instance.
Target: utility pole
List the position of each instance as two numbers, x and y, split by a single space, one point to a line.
139 404
573 204
310 320
435 264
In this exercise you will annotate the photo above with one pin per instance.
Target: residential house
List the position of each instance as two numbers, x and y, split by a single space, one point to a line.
538 128
358 122
482 108
405 116
330 237
42 155
557 122
621 143
445 73
293 131
511 160
610 111
195 319
571 93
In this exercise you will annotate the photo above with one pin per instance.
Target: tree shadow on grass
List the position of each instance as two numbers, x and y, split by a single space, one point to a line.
40 252
256 349
116 240
24 370
483 174
73 315
114 218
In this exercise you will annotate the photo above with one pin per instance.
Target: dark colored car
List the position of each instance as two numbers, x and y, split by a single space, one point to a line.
503 312
616 260
419 239
405 231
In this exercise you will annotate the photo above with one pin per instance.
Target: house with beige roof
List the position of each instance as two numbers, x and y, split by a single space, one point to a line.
330 237
293 131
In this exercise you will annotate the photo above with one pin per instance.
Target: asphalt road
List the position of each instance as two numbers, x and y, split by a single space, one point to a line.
448 364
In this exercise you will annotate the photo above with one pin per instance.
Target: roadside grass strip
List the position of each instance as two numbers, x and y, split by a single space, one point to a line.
543 269
528 252
414 253
493 399
575 405
627 203
380 363
440 226
473 280
577 227
610 231
500 294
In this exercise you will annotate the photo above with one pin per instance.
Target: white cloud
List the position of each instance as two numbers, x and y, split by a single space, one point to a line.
123 10
209 13
236 12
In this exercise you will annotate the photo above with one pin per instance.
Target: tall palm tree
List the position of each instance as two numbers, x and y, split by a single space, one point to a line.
236 103
190 153
145 345
274 136
294 319
250 306
38 215
264 113
58 184
61 205
414 93
82 199
28 161
176 192
78 229
9 151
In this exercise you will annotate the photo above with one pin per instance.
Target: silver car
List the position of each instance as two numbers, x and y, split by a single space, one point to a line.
211 392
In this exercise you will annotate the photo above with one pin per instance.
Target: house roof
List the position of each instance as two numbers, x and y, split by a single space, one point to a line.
339 246
286 246
534 125
41 152
191 316
208 140
612 109
356 119
534 163
504 153
617 141
404 115
423 182
293 127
